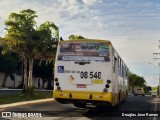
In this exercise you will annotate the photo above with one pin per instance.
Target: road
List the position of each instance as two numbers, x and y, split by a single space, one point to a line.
55 110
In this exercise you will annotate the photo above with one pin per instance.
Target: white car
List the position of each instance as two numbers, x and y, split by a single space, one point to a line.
154 94
139 91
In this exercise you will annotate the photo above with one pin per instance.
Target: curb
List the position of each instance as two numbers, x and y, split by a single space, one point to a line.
25 103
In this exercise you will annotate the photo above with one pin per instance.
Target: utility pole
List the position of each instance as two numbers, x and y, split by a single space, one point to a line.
159 78
158 75
157 54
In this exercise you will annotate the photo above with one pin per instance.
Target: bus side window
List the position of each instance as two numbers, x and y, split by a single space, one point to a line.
122 70
113 63
114 60
119 66
127 73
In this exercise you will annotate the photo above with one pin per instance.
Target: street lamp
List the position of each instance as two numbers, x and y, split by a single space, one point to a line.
159 74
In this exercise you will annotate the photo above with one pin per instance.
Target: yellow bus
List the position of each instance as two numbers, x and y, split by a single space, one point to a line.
89 72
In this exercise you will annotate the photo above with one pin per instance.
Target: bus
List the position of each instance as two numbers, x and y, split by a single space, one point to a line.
89 72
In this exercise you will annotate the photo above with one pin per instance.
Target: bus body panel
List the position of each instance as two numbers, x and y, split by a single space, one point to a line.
71 79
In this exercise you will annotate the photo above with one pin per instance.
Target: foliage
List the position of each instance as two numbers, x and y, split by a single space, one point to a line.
155 88
75 37
136 81
43 70
158 90
21 32
132 79
49 40
20 85
8 65
30 91
140 82
147 89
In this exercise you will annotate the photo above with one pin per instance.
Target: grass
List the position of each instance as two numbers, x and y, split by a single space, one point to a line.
13 98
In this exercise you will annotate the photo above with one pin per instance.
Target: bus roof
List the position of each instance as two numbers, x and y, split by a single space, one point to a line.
87 40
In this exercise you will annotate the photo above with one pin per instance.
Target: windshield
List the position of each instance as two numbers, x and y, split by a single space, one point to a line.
84 51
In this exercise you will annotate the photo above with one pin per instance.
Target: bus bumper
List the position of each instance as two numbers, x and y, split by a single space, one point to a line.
95 98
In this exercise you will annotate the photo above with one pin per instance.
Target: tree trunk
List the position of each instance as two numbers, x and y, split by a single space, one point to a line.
49 85
133 89
5 79
43 82
30 72
25 82
14 84
22 71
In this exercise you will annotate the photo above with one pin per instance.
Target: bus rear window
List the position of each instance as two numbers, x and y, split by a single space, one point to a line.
84 51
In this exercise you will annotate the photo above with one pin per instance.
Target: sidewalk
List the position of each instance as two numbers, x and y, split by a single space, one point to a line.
4 91
25 103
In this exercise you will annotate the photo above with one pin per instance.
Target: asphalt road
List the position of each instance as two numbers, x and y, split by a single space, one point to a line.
133 105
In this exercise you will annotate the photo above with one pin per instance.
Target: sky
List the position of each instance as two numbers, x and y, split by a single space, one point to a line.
133 26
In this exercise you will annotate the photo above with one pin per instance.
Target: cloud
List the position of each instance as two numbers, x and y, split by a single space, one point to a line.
90 2
152 81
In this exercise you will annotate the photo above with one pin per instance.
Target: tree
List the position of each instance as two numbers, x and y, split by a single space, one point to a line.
75 37
8 65
28 41
135 80
1 38
158 90
49 35
140 81
147 89
1 48
132 80
19 38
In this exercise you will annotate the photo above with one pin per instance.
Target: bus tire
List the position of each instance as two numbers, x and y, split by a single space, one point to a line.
119 97
117 106
80 105
125 97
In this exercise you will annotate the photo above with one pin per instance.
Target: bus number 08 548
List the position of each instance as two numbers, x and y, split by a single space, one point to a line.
85 74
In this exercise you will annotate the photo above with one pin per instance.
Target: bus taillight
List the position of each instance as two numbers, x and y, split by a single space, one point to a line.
57 83
105 90
107 86
58 88
56 79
